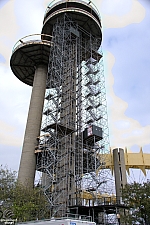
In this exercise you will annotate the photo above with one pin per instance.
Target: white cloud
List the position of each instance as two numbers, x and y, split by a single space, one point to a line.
14 101
121 124
8 135
116 7
124 131
30 15
116 13
8 30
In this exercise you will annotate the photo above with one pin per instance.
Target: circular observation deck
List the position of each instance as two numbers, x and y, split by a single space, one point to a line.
27 53
84 13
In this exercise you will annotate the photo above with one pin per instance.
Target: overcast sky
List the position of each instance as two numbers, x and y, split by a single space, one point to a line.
126 48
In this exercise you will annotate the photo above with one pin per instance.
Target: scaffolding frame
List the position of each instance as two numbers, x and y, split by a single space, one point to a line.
75 101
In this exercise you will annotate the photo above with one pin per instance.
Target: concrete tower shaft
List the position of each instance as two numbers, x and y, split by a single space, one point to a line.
29 62
28 160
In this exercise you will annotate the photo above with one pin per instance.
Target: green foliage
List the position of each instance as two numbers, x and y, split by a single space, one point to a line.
7 183
136 197
28 204
25 203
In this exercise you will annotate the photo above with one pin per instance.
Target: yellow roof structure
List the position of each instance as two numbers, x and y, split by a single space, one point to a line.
103 198
138 160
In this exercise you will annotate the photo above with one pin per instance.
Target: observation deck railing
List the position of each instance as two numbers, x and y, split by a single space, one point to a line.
32 39
85 2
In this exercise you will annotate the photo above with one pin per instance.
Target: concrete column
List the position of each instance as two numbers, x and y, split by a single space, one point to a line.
28 160
119 171
123 168
117 175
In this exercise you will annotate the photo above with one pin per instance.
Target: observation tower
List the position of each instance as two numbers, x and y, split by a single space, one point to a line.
66 136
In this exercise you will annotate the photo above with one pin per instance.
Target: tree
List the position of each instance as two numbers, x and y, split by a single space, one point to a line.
23 202
136 197
28 203
7 183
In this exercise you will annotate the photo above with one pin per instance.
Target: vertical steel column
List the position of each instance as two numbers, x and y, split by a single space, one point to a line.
28 160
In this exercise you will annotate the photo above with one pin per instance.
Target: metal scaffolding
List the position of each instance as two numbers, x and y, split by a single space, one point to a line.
74 137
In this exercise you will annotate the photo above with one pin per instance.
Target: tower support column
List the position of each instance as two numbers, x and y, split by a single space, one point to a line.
28 160
119 171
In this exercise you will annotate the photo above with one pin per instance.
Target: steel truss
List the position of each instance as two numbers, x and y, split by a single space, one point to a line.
69 156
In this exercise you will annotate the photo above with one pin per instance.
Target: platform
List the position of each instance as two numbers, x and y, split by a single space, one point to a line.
26 55
61 128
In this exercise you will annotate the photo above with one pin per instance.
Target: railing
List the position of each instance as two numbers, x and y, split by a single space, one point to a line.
33 38
92 200
87 2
